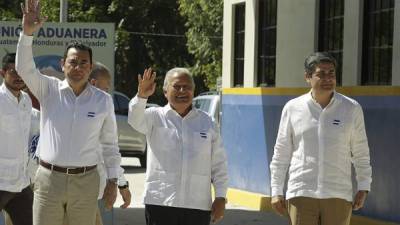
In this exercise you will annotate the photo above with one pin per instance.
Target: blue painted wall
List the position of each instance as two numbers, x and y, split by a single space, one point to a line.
1 218
382 122
250 124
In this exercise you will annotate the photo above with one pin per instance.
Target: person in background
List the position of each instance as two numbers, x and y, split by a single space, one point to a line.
100 77
77 124
185 154
15 120
321 133
32 146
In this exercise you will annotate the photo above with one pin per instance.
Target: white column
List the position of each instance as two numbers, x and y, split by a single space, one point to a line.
228 45
396 45
296 38
250 44
352 42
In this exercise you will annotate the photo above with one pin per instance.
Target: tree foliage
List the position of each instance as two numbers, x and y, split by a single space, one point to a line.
204 23
10 10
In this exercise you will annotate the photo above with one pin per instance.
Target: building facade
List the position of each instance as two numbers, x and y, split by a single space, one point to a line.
265 43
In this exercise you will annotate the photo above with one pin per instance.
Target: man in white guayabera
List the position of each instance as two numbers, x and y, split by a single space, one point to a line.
185 154
320 134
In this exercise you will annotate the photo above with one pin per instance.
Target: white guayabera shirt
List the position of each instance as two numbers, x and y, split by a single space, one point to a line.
185 156
318 146
15 121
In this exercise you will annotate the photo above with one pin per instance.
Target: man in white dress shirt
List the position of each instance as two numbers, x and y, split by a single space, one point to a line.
100 77
77 124
15 120
185 154
320 134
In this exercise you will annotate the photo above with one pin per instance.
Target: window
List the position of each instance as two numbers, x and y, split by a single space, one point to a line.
202 104
378 42
331 31
267 43
238 71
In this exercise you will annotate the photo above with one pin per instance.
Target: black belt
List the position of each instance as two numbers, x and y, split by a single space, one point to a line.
76 170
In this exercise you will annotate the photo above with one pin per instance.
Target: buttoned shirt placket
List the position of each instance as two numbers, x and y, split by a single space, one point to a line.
75 110
185 134
321 144
182 144
178 122
75 98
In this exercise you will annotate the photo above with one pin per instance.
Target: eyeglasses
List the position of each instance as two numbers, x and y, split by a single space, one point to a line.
182 87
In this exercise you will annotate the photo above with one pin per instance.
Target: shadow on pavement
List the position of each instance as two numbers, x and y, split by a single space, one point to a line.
232 217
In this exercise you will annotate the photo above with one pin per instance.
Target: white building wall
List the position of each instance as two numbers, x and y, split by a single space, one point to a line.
296 39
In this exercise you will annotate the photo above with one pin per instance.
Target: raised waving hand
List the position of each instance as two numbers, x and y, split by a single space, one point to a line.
31 20
146 85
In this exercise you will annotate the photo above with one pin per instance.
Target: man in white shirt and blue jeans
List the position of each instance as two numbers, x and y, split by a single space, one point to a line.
77 124
320 135
185 154
15 120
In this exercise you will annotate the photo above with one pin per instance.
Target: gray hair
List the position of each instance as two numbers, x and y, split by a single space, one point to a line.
177 70
316 58
98 68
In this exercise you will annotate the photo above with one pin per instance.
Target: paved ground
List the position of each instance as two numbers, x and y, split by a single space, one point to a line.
134 215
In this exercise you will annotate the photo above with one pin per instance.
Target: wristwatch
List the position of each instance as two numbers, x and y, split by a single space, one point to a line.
113 180
123 185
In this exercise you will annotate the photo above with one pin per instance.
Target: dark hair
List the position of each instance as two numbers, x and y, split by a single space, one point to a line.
80 46
316 58
8 59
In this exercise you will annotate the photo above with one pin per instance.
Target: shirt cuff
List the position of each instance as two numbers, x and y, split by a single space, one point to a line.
276 191
365 186
25 39
220 192
113 172
141 100
138 101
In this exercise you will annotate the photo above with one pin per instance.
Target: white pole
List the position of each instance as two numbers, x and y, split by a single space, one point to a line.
63 11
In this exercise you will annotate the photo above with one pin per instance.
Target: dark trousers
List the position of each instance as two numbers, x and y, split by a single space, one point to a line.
18 205
164 215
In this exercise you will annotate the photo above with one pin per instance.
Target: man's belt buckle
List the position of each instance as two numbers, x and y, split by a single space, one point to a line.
68 171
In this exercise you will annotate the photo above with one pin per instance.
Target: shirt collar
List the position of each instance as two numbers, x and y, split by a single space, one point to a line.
336 98
65 86
169 110
10 95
